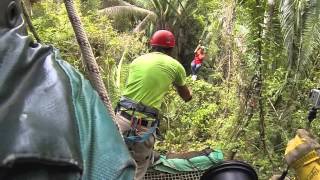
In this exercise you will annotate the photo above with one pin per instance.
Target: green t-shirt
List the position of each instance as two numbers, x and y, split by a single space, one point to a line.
150 77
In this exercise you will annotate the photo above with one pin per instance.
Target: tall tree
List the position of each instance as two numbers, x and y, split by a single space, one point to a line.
300 24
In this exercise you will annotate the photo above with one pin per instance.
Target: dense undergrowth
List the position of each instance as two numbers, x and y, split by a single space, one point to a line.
109 46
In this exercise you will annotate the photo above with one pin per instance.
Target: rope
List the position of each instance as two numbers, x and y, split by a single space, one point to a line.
88 57
28 20
205 29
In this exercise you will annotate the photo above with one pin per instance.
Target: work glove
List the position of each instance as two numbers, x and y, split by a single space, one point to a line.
302 144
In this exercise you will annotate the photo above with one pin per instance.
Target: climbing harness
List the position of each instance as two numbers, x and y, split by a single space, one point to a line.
132 136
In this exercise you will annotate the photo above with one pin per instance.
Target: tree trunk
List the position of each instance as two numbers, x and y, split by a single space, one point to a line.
258 87
227 39
268 17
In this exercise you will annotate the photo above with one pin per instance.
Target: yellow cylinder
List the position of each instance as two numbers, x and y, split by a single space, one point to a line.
308 167
304 159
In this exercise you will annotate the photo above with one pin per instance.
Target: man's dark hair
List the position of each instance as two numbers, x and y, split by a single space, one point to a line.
10 13
164 50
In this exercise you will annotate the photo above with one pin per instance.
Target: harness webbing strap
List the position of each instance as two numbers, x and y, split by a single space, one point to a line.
136 123
143 137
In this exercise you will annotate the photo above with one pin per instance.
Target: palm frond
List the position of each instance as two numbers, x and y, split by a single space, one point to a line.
172 7
287 20
167 9
119 67
142 3
110 3
188 5
127 11
143 24
310 33
157 5
182 4
123 3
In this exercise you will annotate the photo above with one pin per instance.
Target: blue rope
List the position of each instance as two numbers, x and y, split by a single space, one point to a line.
141 138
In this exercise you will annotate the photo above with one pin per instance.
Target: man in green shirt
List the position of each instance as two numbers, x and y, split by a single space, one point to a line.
150 78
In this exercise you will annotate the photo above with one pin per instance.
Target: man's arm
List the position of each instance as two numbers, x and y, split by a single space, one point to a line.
184 93
199 44
197 48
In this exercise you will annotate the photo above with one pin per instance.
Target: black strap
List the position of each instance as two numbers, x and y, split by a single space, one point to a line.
129 104
284 174
207 153
193 165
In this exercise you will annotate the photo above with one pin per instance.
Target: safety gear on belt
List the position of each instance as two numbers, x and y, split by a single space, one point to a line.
126 104
142 122
163 38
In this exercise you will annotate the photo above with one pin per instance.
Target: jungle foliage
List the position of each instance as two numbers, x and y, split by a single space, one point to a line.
262 60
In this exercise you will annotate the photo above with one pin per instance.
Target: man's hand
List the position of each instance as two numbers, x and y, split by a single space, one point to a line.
184 93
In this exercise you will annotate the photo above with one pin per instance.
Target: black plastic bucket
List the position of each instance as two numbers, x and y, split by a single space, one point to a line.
230 170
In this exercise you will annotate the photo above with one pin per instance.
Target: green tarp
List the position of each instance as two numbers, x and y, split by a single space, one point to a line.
198 163
53 125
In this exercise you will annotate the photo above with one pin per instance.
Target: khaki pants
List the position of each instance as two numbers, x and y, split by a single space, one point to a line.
142 153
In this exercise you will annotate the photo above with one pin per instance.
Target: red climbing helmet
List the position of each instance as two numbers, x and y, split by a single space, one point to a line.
163 38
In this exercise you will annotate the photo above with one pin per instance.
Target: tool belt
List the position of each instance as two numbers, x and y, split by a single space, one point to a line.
141 121
125 105
129 104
